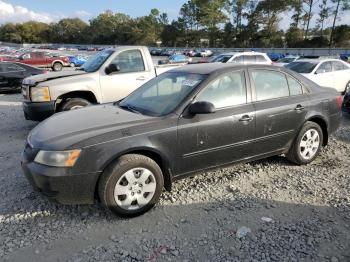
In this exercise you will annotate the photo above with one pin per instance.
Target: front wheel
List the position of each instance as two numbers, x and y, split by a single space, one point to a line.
74 103
307 145
131 186
57 66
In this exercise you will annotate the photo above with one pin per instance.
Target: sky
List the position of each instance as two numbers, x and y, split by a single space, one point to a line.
50 11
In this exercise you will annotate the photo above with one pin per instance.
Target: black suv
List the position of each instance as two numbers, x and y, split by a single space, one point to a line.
190 119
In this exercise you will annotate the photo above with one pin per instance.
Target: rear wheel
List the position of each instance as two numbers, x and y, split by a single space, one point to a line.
74 103
307 145
131 186
57 66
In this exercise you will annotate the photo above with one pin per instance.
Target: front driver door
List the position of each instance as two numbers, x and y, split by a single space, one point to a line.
210 140
133 73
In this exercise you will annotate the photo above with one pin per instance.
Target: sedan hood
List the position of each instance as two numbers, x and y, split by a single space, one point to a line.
85 127
33 80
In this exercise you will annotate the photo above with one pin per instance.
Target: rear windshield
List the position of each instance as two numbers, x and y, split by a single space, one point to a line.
302 67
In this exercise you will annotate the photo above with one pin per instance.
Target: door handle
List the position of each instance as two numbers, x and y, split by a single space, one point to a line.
299 108
141 78
246 118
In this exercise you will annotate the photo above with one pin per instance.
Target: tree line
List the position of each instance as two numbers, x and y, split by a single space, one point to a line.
213 23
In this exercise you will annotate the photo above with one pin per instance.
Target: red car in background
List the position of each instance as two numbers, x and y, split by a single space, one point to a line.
42 59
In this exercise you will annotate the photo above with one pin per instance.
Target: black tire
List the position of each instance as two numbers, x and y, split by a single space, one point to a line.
347 88
57 66
114 173
74 103
294 154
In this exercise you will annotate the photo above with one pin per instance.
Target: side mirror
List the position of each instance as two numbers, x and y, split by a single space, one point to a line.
201 108
112 68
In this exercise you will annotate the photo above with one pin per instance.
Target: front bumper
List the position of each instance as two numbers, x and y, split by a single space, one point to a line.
58 184
38 111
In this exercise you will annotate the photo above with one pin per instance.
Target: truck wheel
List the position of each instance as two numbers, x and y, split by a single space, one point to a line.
131 186
57 66
74 103
307 144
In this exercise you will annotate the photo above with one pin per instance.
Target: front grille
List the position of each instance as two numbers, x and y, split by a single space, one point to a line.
25 92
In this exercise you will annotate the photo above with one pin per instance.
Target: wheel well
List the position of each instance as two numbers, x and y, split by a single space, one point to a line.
55 62
322 123
89 96
155 157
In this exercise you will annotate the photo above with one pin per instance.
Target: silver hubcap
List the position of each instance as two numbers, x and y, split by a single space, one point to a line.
135 188
309 144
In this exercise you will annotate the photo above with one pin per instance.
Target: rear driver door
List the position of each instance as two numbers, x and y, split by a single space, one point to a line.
281 105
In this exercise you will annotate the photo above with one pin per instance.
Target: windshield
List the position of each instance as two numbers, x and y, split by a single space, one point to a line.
163 94
95 62
302 67
286 60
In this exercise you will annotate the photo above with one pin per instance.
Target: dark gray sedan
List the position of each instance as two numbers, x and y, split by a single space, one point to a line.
187 120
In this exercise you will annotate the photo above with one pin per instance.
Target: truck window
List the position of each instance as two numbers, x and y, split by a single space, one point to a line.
130 61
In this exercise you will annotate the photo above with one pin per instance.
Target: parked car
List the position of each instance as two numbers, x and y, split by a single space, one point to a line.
325 72
12 74
243 58
286 60
275 56
345 57
156 52
76 61
109 76
178 58
206 53
45 60
167 129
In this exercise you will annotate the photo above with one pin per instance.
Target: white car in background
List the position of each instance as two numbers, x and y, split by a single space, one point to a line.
325 72
205 53
286 60
243 58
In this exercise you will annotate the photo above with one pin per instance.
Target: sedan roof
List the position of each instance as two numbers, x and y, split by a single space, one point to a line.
209 68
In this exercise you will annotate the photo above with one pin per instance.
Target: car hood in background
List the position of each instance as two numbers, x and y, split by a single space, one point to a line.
50 76
87 126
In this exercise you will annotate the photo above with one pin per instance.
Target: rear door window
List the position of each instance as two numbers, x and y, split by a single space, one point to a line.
260 59
249 58
295 87
338 66
269 84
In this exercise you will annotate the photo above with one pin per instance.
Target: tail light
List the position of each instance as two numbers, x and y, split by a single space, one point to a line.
339 101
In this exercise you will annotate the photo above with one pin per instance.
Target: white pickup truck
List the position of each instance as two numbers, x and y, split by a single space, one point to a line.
109 76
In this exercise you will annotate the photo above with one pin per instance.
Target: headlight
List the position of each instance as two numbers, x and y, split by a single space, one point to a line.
40 94
57 158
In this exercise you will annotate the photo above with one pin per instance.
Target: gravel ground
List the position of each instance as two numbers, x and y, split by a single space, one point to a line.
269 210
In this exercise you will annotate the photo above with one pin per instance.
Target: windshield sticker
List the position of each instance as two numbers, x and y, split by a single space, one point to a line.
190 82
